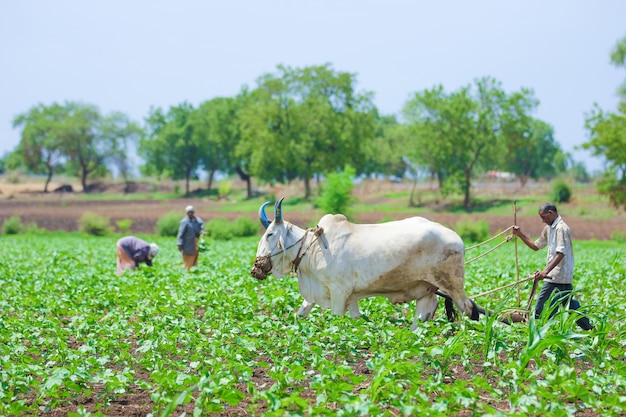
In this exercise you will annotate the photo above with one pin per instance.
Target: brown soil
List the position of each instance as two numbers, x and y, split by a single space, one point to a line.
62 210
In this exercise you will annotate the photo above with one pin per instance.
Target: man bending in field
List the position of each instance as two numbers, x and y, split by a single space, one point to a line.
131 251
559 271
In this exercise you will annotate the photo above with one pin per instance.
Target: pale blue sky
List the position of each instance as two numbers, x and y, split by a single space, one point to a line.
133 54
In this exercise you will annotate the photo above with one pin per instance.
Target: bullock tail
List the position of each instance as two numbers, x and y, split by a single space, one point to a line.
451 312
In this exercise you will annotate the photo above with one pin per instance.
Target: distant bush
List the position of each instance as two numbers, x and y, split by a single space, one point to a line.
618 236
168 224
94 224
336 194
561 192
472 231
224 229
124 225
224 188
12 226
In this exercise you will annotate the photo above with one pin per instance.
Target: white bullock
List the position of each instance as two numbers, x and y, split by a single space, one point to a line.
340 262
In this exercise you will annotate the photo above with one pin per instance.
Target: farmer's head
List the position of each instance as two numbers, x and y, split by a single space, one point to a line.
548 213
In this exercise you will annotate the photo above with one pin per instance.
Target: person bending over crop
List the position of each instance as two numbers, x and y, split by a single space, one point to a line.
131 251
559 271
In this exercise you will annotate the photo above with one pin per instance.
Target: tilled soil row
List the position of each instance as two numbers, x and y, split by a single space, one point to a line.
61 214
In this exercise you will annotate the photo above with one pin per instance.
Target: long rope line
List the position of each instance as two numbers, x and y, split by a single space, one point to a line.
508 238
504 286
490 239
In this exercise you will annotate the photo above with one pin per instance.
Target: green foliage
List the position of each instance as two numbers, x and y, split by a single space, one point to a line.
223 229
561 192
472 231
330 125
70 331
224 188
619 236
94 224
336 193
12 226
76 138
168 224
124 225
608 139
615 189
454 133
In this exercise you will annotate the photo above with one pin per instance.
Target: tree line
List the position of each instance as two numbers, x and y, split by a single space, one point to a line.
306 123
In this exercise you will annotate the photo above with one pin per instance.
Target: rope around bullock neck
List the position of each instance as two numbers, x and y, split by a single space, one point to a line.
317 231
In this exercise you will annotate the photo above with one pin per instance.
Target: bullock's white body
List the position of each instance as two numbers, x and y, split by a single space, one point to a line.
402 260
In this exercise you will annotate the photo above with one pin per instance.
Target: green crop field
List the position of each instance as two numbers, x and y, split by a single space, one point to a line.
78 340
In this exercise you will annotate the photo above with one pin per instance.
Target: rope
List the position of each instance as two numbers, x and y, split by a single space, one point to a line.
489 240
508 238
317 231
505 286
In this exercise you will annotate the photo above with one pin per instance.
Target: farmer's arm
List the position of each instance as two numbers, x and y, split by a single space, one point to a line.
518 232
553 262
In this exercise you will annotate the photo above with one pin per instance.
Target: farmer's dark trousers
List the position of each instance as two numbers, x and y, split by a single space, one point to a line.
563 294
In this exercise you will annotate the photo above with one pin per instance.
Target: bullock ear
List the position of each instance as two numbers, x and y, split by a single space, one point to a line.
262 216
278 211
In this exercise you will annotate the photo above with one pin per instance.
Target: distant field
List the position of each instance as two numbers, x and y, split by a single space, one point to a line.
588 214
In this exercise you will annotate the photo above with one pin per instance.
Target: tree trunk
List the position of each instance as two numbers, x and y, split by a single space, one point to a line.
249 187
45 188
523 179
83 179
307 187
411 200
187 175
210 182
247 178
467 202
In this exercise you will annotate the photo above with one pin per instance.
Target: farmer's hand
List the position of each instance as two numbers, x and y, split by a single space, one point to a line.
539 275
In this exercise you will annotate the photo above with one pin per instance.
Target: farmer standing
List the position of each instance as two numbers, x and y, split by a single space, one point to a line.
559 271
189 231
131 251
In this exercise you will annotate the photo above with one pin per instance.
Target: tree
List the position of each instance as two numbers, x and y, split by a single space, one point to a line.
216 129
82 142
455 133
531 150
618 58
386 151
169 145
41 143
120 133
304 122
607 132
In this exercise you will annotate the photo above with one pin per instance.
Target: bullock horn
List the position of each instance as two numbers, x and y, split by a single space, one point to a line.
262 216
278 211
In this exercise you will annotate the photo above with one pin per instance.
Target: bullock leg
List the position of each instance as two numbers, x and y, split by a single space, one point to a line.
338 303
424 309
305 308
353 308
464 303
